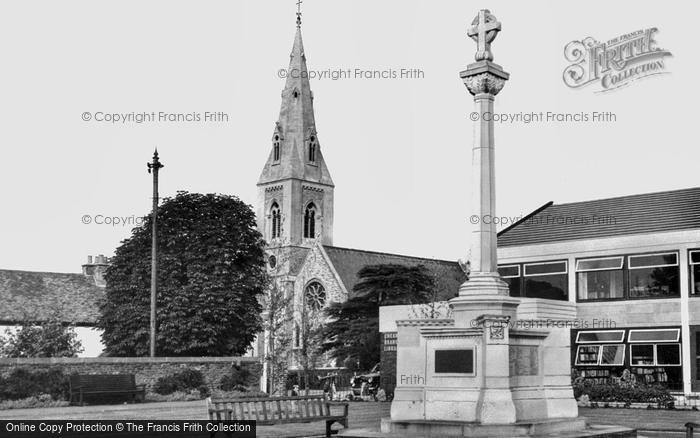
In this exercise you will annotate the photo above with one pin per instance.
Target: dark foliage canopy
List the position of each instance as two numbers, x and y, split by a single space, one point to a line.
211 273
352 336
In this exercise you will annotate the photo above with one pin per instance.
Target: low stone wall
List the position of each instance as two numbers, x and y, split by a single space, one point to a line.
147 370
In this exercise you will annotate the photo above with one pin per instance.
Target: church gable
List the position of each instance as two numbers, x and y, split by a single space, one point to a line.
316 268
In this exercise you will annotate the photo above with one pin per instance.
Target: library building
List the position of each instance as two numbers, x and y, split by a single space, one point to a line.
632 266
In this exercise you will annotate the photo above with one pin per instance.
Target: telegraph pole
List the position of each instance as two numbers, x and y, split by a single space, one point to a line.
153 168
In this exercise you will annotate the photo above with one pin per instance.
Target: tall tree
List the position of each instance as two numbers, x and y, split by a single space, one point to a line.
211 275
352 335
277 320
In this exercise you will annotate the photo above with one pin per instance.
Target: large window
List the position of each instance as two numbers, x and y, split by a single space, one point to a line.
694 260
511 275
639 276
655 347
651 355
600 278
315 296
546 280
653 275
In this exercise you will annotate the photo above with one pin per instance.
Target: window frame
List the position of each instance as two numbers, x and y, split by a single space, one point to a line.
665 341
600 359
655 354
621 269
680 355
691 273
516 265
621 258
630 256
622 339
566 268
578 349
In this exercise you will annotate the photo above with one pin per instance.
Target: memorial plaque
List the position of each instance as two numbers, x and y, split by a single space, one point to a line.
454 361
523 360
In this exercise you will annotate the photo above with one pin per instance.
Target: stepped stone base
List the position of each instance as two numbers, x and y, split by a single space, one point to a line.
564 428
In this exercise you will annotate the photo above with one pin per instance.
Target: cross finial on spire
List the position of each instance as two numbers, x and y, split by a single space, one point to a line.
483 30
299 2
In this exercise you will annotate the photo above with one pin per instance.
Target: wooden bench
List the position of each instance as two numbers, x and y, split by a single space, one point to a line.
82 385
278 410
690 428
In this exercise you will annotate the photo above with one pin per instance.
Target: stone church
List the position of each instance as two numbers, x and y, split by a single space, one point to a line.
295 209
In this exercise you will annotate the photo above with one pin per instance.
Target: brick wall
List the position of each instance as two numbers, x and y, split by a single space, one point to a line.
147 370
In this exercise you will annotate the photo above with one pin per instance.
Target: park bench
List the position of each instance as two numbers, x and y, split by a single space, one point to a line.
690 428
108 386
278 410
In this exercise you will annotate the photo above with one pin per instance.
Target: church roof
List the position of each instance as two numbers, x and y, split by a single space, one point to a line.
347 262
673 210
43 296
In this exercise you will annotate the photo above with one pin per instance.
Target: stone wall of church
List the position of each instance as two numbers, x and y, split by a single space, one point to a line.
147 370
316 268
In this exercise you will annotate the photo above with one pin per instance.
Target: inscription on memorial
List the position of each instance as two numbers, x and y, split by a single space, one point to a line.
523 360
454 361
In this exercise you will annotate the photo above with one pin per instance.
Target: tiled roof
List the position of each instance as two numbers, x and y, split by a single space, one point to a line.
41 296
347 262
636 214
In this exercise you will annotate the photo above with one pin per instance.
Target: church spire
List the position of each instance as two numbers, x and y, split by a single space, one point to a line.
295 147
295 189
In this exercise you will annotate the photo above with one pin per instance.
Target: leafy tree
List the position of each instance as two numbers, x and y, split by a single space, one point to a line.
48 339
310 326
352 335
211 274
277 319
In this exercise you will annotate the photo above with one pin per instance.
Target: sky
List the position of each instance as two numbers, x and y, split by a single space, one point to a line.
398 149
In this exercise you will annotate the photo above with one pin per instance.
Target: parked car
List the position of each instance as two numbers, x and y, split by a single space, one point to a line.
367 386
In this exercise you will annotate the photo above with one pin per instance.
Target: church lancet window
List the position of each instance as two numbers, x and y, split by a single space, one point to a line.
312 149
276 220
276 148
315 296
310 221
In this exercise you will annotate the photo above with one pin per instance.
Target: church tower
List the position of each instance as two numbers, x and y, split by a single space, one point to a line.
295 189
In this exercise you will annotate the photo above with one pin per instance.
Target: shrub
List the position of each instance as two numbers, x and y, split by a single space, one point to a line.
217 393
623 392
239 379
175 396
179 382
37 401
22 383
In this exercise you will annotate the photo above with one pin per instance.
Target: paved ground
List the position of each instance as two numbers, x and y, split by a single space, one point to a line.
362 415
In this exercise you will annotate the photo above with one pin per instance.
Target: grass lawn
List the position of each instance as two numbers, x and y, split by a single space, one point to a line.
362 415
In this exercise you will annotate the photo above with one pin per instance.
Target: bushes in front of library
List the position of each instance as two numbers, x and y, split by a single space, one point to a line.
623 392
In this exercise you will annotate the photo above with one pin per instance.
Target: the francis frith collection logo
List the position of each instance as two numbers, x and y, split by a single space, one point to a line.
616 62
